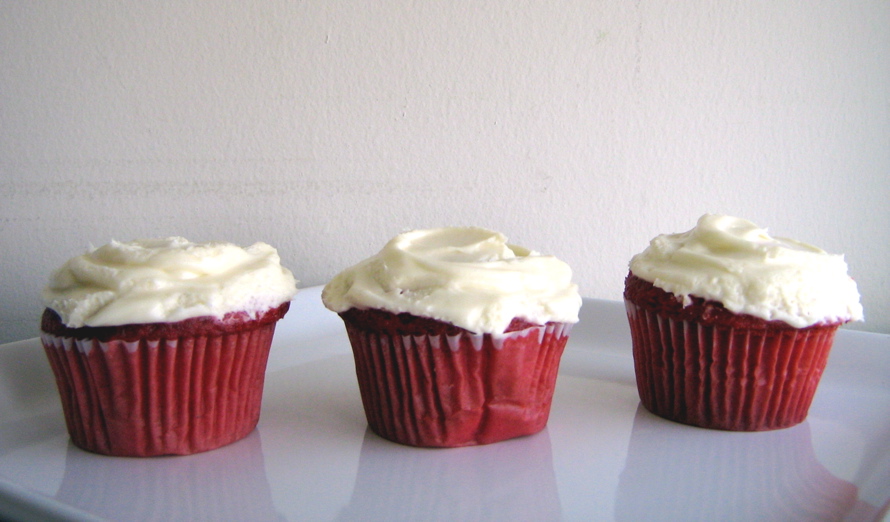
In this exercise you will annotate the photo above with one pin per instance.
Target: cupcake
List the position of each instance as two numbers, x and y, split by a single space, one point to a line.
159 347
731 328
457 335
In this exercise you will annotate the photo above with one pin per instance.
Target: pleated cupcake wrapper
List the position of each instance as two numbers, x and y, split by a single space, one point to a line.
461 390
723 377
160 397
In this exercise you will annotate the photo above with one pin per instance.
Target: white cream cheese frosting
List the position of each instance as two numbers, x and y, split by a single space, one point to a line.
468 276
734 262
167 280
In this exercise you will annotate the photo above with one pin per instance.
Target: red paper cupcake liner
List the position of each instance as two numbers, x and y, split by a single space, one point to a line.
169 396
722 376
457 388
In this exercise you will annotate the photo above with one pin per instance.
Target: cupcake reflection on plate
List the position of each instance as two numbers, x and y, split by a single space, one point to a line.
771 475
508 481
229 484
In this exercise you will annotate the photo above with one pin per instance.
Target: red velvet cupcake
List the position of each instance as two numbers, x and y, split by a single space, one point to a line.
704 365
134 385
429 383
731 329
448 351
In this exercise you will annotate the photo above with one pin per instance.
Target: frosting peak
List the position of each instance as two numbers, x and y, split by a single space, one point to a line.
737 263
167 280
470 277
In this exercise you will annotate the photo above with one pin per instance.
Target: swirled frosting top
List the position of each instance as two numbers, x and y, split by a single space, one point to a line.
470 277
167 280
736 263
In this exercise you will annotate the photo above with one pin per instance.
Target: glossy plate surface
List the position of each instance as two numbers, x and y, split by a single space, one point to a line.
602 457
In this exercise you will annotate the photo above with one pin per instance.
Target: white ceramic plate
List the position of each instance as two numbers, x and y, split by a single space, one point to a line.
602 457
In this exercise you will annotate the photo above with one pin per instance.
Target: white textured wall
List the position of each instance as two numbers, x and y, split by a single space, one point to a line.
579 128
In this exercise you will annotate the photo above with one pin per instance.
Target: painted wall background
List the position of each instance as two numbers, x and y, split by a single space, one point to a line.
578 128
